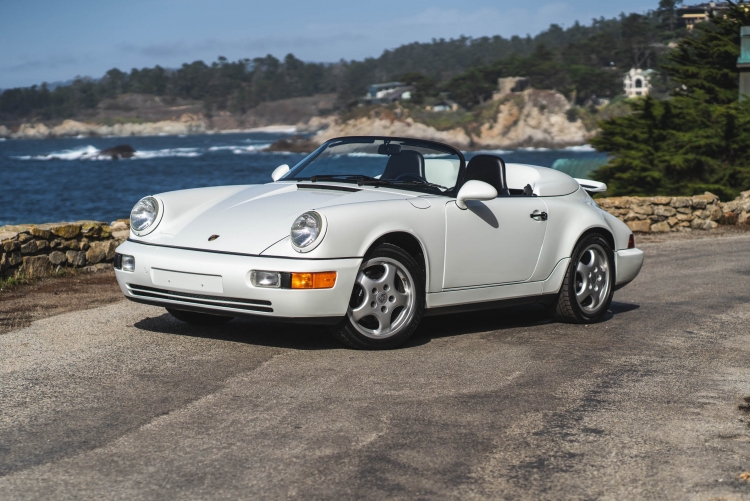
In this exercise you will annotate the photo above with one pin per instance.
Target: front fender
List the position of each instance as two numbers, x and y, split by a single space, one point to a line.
353 228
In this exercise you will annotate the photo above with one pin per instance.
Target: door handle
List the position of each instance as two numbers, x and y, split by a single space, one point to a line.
539 216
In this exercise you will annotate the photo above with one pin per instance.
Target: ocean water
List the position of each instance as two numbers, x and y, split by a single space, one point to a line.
64 180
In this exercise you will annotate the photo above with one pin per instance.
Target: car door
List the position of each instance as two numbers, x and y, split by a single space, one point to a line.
493 242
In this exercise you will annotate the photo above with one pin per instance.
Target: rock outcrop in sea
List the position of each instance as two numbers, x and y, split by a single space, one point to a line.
118 152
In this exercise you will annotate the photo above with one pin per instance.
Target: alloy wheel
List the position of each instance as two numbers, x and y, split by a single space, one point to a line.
383 299
593 279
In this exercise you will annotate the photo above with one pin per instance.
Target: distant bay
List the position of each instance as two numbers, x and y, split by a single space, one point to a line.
65 179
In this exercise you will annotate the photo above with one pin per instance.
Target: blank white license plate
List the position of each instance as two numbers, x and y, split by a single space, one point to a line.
186 281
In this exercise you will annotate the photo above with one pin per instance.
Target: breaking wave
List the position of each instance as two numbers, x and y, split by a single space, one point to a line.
241 150
492 152
168 152
583 147
92 153
83 153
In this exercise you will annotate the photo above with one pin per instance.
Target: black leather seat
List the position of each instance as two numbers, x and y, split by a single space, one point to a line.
406 162
491 170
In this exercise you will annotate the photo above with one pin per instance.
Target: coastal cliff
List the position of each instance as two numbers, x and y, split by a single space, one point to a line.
146 115
185 124
532 118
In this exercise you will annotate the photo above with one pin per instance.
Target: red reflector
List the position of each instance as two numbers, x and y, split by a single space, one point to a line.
631 242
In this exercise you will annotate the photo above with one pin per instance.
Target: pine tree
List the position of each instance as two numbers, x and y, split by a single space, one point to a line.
697 141
668 12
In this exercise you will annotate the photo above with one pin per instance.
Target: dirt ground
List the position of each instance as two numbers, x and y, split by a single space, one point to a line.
20 305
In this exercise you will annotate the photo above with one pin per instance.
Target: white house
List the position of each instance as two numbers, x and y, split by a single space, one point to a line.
388 92
637 82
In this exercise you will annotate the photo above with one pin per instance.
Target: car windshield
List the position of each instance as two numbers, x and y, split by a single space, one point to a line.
403 163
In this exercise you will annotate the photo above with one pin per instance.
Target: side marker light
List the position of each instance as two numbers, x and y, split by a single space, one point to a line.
631 242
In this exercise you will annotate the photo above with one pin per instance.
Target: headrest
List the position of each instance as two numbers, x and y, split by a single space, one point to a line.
406 162
491 170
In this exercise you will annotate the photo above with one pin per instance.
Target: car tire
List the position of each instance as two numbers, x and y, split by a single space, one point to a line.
195 318
387 301
589 283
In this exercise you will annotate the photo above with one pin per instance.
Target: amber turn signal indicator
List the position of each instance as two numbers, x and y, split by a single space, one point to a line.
320 280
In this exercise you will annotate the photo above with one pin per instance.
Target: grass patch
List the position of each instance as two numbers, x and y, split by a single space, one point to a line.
11 282
7 284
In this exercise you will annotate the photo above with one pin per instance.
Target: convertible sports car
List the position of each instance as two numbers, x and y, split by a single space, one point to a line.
370 234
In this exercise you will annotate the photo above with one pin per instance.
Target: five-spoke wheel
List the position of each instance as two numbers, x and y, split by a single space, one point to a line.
383 298
592 278
587 289
387 300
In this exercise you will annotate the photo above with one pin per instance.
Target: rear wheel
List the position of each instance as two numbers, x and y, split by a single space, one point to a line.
587 290
387 301
195 318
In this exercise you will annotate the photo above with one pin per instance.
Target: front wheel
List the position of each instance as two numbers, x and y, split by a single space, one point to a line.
195 318
587 290
387 301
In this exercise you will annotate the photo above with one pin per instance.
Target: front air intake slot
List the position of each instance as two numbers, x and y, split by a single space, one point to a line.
201 299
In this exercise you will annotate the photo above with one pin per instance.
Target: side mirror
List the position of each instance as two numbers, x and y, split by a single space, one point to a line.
475 190
279 172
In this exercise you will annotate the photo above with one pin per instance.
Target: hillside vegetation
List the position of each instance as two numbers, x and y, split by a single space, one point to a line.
697 140
576 61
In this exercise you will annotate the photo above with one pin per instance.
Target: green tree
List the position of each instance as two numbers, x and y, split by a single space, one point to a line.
698 140
667 12
424 86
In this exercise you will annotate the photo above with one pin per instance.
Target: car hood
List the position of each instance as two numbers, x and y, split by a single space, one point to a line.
248 219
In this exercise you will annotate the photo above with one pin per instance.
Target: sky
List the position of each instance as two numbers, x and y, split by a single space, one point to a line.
56 40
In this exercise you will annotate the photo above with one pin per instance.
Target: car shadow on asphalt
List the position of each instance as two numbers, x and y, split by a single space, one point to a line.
496 320
247 331
315 337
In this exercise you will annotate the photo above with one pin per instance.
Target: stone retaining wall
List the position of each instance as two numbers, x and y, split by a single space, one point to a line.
39 250
28 251
664 214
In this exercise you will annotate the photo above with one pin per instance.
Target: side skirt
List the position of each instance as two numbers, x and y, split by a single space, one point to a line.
491 305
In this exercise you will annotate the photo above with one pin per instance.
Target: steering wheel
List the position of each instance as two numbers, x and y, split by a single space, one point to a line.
411 177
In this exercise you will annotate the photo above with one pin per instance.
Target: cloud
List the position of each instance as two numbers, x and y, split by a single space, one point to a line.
255 46
553 9
50 62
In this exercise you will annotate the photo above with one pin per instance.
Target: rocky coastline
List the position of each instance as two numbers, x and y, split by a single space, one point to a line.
532 118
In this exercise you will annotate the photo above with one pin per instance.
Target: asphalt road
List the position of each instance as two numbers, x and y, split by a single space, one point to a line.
124 402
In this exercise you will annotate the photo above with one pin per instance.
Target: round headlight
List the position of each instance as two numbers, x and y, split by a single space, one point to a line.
143 215
306 229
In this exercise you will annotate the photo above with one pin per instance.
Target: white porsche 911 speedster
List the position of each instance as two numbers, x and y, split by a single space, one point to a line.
370 234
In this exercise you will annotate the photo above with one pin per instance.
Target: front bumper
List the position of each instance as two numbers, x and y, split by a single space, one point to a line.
628 264
235 296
